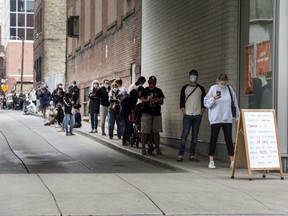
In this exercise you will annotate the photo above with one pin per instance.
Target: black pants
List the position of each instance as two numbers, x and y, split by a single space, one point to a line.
227 130
127 130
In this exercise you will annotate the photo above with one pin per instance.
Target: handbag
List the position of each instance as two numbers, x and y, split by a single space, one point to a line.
233 107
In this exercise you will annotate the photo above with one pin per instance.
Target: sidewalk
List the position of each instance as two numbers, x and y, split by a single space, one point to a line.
169 158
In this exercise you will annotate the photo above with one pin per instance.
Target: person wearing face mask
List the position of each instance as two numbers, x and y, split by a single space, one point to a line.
218 102
114 109
140 82
75 91
192 107
69 118
45 99
104 103
152 99
94 105
58 94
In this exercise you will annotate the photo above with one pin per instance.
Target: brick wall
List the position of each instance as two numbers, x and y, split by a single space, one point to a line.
110 54
178 37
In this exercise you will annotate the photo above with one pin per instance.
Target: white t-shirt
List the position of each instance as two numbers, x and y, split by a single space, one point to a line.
193 103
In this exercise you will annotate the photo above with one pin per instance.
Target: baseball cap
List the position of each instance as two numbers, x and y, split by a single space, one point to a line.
152 79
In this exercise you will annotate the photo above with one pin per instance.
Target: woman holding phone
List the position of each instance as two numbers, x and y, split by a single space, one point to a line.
218 102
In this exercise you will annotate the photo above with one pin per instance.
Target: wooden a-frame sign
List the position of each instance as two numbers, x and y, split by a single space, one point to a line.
257 146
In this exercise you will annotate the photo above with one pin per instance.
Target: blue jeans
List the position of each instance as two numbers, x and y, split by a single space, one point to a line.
188 122
70 120
114 117
94 120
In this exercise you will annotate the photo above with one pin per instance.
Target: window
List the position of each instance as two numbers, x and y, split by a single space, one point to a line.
21 32
29 5
38 69
30 20
73 26
256 54
133 73
86 101
13 32
13 5
21 17
21 20
13 20
21 5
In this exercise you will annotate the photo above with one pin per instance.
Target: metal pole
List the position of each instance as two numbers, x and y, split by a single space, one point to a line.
22 65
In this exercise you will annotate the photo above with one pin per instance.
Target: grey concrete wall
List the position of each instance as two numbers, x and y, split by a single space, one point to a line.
179 37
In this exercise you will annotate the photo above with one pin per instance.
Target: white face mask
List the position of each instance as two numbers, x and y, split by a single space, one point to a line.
95 86
106 85
222 85
115 89
193 78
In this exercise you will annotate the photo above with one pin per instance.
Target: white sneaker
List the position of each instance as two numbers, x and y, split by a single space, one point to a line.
231 164
211 165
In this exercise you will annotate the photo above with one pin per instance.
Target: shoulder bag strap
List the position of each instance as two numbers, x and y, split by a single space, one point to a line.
232 101
191 93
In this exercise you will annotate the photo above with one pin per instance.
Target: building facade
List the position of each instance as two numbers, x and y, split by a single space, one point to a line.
247 39
18 28
50 42
104 42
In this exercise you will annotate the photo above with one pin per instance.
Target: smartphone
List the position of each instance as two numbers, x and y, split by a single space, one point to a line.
218 93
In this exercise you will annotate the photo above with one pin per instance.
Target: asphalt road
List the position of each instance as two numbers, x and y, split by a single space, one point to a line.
44 172
27 146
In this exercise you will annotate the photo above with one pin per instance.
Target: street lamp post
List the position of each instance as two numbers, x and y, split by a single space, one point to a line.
22 65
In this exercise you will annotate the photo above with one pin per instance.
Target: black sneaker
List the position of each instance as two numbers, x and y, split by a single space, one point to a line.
180 158
193 158
158 152
72 134
144 152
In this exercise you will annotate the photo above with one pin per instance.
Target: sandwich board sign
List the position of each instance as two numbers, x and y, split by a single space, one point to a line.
257 146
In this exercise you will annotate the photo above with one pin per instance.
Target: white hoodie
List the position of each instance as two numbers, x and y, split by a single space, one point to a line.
219 111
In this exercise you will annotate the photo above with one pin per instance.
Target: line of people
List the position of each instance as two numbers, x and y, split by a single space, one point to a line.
62 107
118 104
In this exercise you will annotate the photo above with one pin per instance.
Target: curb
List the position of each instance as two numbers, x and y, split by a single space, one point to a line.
148 159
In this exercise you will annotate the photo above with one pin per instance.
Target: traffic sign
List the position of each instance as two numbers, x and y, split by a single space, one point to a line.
4 87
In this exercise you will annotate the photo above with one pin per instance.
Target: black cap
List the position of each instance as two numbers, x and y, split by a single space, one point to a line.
152 79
